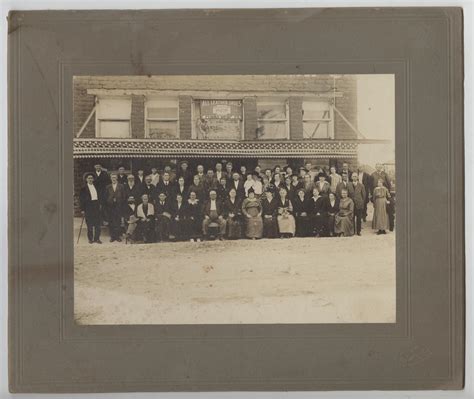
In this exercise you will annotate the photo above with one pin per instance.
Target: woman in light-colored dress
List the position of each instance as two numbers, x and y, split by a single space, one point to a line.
286 221
344 218
252 210
380 197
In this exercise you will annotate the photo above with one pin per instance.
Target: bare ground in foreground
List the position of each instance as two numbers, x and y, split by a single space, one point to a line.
299 280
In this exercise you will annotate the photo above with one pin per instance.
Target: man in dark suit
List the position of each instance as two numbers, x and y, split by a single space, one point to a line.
345 169
223 189
163 214
238 184
214 213
379 174
122 176
344 184
115 201
166 185
210 181
229 167
149 189
219 172
90 203
140 179
132 189
358 196
365 179
185 173
101 178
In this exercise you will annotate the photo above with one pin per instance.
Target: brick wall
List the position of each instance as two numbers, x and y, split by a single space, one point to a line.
250 118
185 117
83 105
138 116
347 104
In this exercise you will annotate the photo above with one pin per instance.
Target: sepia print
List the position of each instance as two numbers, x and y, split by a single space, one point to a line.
234 199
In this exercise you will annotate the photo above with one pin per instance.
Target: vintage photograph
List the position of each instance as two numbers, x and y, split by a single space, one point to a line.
234 199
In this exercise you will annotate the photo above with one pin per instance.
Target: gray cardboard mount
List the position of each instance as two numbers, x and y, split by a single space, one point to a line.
424 349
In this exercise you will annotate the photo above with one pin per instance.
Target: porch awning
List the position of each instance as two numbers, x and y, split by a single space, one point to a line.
149 148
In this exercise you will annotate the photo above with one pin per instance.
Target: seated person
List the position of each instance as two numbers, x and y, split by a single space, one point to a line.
213 211
146 220
129 215
163 214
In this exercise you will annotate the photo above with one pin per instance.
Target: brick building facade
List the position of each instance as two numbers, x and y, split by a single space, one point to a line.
141 121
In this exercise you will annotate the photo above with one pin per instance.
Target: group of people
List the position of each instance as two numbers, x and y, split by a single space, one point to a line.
225 203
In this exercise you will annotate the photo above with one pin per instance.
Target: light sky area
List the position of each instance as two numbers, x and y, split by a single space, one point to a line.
376 117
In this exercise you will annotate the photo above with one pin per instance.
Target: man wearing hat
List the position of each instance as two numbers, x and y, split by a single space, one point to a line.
322 185
89 199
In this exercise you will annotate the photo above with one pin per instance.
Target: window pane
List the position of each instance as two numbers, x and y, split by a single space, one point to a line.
272 130
115 129
163 113
271 110
114 108
162 130
315 110
315 130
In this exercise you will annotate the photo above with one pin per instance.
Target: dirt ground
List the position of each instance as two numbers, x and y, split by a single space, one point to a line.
298 280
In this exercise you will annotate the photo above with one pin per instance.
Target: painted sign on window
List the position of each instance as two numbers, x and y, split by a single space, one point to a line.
226 109
218 119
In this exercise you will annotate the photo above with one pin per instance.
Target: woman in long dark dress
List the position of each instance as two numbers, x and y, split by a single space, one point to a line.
269 214
318 213
178 224
380 198
193 217
233 215
300 210
333 208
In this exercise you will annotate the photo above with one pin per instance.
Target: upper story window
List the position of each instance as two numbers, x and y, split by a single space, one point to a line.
317 120
272 118
113 117
217 119
162 118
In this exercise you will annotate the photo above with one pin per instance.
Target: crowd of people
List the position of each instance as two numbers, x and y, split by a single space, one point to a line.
226 203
